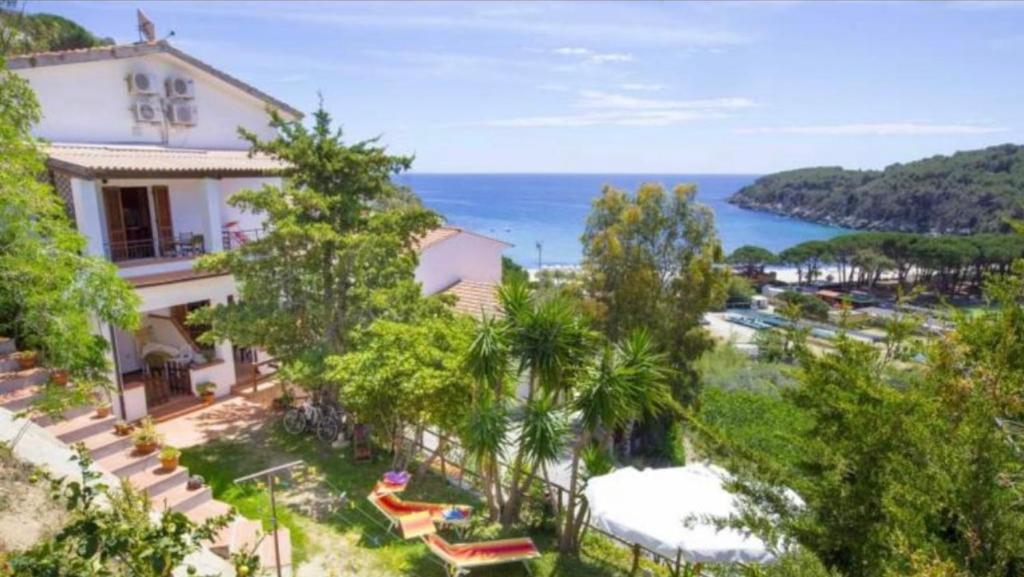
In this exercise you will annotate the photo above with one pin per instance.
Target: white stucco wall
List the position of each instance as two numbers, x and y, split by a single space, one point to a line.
228 213
215 289
464 256
90 102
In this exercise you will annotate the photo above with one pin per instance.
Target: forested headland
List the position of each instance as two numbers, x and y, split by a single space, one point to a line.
968 192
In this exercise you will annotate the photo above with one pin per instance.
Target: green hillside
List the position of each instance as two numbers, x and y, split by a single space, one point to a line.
973 191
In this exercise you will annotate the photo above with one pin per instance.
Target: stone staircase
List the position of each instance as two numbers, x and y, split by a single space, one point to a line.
116 454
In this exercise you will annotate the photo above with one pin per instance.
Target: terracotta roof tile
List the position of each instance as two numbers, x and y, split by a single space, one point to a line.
437 235
476 298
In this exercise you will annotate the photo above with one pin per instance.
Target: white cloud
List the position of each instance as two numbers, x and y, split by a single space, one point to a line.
605 100
641 87
879 129
609 109
593 57
607 118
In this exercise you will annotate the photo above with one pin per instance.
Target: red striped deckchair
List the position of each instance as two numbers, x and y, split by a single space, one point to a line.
394 508
461 557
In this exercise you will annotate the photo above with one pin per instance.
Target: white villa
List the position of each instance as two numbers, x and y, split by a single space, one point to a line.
145 152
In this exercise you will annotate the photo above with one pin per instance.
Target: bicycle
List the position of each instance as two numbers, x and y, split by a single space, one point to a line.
319 418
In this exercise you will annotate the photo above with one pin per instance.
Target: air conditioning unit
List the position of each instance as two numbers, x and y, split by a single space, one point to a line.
143 83
147 110
182 113
180 87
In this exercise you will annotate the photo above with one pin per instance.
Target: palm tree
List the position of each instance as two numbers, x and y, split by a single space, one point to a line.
546 342
483 438
623 383
549 341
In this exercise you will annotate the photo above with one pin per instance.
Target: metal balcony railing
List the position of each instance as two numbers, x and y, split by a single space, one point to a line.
234 238
184 245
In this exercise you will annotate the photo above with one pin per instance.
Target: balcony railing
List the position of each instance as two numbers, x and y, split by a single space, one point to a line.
185 245
234 238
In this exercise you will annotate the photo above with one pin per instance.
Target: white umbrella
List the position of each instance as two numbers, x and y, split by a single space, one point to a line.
665 510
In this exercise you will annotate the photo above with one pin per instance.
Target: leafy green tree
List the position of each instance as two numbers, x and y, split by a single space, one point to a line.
401 374
753 259
110 533
336 252
809 306
621 384
904 474
543 341
50 292
513 271
21 33
738 290
651 262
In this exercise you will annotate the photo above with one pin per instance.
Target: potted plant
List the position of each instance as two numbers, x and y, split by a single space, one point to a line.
169 458
26 360
59 377
146 438
205 391
123 428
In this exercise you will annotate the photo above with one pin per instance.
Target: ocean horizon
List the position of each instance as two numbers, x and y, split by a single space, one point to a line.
551 208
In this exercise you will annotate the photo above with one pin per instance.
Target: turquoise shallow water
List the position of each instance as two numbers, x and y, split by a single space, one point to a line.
552 208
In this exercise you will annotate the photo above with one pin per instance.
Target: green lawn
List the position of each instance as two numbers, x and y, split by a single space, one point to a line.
353 537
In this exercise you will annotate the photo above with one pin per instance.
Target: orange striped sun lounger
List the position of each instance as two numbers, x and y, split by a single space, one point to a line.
394 508
417 525
461 557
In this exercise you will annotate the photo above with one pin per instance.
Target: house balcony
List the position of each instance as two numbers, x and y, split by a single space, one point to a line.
233 237
186 245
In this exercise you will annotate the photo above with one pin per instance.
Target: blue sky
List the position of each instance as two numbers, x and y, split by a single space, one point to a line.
660 87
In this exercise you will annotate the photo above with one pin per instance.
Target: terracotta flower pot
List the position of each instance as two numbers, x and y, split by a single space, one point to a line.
169 464
145 448
123 429
26 361
59 378
103 411
207 398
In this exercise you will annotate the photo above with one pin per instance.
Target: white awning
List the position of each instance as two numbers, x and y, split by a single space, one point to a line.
665 510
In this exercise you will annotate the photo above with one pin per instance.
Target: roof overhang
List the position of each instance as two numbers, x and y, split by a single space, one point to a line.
100 53
93 161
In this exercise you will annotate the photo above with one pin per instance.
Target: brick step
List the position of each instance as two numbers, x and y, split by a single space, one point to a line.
13 380
125 462
8 363
176 408
155 481
6 346
223 542
20 399
207 510
183 499
241 535
45 421
81 427
266 549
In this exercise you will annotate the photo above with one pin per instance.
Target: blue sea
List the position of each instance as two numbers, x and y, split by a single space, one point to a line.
551 209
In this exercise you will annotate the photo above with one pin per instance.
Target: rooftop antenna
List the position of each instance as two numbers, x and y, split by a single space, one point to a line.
147 30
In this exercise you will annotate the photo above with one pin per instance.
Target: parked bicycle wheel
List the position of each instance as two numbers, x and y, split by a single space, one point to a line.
295 421
327 429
